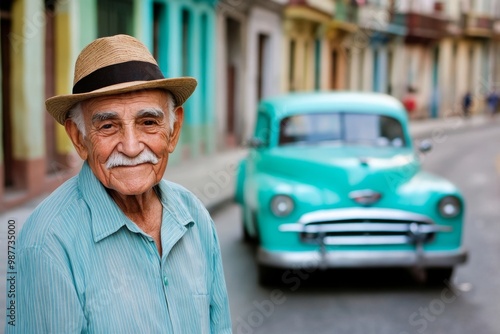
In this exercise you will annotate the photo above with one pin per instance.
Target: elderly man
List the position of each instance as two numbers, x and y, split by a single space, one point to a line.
116 249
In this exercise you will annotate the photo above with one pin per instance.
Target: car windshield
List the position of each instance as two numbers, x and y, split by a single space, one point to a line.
350 128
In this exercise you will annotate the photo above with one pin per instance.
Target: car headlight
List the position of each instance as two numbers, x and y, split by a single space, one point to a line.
450 207
282 205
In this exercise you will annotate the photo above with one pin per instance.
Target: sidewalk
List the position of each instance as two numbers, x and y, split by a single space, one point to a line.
434 128
211 179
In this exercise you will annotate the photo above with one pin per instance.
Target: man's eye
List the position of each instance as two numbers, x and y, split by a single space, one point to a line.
149 122
106 126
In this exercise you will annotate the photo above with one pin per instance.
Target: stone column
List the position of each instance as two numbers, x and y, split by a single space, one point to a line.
28 90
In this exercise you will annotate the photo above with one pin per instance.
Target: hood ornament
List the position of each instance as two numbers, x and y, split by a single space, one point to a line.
364 161
365 197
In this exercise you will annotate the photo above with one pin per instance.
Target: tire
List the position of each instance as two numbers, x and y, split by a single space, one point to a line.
246 235
247 238
269 276
438 276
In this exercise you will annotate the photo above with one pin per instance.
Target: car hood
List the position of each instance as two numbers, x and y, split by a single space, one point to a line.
351 167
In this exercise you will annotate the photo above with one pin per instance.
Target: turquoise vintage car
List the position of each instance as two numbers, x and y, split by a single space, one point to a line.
333 180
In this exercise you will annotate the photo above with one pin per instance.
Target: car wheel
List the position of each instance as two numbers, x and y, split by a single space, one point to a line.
438 276
246 235
269 276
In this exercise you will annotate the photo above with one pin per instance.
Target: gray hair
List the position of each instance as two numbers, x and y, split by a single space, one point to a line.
75 114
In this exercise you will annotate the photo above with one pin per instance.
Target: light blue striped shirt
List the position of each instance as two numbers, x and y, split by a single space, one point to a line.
84 267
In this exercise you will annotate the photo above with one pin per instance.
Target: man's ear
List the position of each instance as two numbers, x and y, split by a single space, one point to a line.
176 132
76 138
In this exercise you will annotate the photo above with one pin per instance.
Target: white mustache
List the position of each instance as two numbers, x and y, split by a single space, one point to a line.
117 159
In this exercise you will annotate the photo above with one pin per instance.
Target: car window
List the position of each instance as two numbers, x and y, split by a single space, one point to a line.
351 128
310 128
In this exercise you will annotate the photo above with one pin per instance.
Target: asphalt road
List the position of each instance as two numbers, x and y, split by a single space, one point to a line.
381 301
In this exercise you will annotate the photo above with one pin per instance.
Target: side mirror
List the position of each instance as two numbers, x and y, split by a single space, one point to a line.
255 143
425 146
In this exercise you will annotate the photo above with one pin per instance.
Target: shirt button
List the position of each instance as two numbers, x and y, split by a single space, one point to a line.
165 280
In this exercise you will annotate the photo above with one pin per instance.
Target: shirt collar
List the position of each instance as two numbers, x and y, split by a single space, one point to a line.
107 217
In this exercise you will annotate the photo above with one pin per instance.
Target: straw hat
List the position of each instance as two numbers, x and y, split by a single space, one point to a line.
114 65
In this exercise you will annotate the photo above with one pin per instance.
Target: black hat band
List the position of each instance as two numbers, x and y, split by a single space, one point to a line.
116 74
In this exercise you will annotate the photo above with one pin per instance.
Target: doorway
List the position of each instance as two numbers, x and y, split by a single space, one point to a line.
263 56
233 64
8 157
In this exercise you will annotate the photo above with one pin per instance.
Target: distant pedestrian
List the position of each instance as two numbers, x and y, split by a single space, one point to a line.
117 249
467 104
492 102
410 101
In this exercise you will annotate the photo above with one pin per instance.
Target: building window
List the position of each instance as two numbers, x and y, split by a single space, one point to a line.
115 17
158 20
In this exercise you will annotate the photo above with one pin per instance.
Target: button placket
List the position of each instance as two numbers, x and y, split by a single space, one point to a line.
164 277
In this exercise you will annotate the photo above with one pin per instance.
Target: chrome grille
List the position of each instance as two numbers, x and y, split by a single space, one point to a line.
364 226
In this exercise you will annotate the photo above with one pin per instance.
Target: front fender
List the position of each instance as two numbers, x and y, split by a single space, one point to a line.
240 182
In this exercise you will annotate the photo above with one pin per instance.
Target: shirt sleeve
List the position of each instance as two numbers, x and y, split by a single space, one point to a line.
46 299
220 318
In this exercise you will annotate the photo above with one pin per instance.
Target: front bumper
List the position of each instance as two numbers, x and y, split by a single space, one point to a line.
360 259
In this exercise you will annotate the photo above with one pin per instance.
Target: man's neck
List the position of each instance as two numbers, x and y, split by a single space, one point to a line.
145 210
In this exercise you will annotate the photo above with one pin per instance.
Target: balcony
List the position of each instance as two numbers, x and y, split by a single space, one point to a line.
325 6
346 17
380 19
425 28
319 11
478 26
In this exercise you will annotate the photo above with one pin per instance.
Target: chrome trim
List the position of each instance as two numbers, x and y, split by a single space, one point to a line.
368 196
410 228
362 227
353 259
362 213
368 240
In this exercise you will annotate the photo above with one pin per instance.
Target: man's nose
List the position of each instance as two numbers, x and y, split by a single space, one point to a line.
130 144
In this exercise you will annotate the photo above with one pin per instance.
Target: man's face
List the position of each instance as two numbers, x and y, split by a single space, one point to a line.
121 129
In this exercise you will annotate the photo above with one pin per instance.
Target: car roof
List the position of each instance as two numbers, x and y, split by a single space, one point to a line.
313 102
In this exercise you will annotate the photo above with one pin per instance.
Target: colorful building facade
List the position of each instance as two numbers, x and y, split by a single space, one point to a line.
435 50
35 155
240 51
249 35
40 43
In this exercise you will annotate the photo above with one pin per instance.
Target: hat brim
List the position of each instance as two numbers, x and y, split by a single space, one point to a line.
180 88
